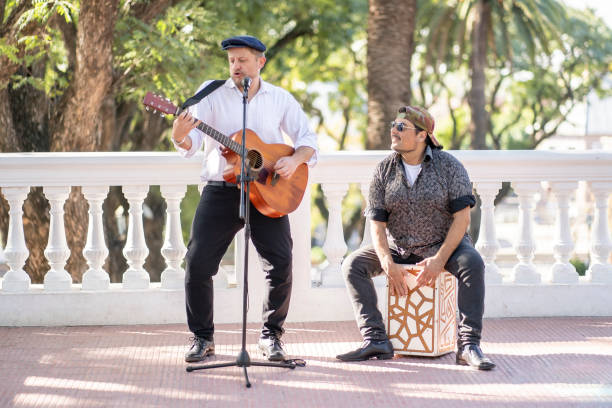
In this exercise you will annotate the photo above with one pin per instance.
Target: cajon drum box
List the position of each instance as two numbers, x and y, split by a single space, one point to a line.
423 323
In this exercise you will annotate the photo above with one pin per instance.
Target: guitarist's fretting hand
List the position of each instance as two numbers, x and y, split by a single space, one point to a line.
183 124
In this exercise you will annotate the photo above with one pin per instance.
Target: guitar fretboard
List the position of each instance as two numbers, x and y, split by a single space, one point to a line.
218 136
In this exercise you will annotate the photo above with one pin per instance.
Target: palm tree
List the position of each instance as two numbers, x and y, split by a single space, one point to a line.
477 33
391 26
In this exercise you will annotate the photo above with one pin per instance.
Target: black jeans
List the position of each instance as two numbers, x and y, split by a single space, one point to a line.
215 224
465 264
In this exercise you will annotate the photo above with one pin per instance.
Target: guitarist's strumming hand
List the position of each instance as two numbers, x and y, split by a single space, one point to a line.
285 166
183 124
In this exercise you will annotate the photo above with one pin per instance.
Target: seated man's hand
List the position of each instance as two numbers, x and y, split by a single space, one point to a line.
397 279
432 267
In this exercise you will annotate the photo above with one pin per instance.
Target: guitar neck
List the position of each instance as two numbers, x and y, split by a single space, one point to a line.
218 136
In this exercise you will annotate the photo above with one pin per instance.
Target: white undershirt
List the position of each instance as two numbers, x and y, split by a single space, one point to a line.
412 171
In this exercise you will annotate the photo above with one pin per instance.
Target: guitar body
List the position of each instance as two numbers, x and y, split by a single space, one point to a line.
272 195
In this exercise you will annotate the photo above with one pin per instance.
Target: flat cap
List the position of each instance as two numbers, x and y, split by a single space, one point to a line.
240 41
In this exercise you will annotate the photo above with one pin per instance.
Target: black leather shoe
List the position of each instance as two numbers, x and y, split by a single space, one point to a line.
380 349
272 348
200 348
472 356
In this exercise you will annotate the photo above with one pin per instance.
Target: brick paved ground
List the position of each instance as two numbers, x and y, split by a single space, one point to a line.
542 362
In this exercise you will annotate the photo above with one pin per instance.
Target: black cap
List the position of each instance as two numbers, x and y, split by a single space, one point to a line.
240 41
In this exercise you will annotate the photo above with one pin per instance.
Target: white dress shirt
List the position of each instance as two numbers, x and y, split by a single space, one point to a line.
270 113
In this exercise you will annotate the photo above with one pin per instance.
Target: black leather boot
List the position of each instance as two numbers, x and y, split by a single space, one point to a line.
200 348
472 356
380 349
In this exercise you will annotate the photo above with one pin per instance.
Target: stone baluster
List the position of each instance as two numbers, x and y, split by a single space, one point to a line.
173 250
525 270
599 269
95 251
16 251
2 258
334 246
562 270
367 237
135 250
487 243
57 251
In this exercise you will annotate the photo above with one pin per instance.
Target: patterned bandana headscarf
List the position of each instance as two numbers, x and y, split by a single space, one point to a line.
421 118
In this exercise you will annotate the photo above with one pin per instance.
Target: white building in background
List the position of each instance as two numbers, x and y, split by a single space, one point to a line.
589 126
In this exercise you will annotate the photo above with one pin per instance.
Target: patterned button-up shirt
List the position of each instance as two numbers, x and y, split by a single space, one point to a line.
418 217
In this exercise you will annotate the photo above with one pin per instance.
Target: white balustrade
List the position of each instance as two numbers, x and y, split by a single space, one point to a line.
599 269
135 249
525 270
16 252
57 251
524 291
562 270
173 250
95 251
367 236
334 247
487 239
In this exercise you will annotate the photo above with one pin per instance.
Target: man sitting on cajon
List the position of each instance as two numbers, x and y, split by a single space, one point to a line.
419 211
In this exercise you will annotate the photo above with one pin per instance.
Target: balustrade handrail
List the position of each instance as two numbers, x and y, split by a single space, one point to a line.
133 168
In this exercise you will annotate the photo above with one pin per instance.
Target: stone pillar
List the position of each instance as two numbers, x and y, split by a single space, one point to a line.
487 243
525 270
335 245
16 251
135 250
57 251
95 251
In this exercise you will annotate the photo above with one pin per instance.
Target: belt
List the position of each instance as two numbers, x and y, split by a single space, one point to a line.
220 183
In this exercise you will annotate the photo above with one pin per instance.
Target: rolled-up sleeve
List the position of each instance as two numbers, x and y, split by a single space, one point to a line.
295 125
375 209
460 189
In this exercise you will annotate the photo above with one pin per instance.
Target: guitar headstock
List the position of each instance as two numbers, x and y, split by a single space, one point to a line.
159 104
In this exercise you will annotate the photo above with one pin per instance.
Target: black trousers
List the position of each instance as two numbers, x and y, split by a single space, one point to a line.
465 264
215 224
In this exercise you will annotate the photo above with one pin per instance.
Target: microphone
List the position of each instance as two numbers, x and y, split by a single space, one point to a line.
246 83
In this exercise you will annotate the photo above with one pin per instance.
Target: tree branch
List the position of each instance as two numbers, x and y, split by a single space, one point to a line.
302 28
147 11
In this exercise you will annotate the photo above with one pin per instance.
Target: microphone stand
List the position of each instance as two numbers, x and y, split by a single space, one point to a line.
246 177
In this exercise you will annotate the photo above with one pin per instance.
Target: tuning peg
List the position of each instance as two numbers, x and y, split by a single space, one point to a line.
163 115
147 108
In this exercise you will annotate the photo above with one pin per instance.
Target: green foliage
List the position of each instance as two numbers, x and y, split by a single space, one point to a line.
544 58
580 266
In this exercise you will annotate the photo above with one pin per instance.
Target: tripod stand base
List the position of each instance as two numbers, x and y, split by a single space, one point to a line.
243 360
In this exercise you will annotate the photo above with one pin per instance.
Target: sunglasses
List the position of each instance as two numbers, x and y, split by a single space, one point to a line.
400 126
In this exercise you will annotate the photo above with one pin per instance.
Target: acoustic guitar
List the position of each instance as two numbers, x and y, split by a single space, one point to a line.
272 195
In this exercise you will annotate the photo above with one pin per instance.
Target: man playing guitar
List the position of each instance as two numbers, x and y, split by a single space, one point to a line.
271 111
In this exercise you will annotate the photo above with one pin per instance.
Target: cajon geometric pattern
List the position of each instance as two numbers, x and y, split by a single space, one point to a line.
423 323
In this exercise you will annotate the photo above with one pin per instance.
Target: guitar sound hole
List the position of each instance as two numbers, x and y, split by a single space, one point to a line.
255 159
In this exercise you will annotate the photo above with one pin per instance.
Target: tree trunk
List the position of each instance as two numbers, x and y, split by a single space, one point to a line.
478 61
390 46
77 127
